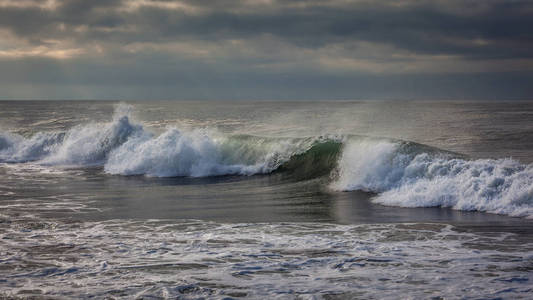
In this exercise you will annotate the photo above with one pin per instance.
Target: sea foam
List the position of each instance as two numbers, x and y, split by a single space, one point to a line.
15 148
87 144
402 175
91 144
200 153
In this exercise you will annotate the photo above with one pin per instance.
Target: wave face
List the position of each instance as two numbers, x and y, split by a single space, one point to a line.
399 173
403 175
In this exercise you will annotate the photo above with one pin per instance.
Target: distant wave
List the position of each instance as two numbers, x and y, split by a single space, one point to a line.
401 173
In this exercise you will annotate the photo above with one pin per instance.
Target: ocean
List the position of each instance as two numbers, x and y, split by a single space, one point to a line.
266 200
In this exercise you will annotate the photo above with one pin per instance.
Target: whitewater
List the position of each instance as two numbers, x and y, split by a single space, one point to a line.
399 173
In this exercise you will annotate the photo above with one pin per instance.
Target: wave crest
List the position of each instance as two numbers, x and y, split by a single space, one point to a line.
91 144
403 177
199 154
15 148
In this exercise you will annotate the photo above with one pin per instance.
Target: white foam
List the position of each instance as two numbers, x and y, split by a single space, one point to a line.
15 148
124 147
416 179
369 165
196 153
86 144
169 154
91 144
197 259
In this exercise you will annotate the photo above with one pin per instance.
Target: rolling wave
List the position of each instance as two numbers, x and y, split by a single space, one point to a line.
407 178
399 173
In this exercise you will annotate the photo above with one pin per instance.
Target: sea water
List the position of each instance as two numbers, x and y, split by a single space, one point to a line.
352 199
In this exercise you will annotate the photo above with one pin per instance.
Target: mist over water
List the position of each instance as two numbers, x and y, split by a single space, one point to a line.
266 192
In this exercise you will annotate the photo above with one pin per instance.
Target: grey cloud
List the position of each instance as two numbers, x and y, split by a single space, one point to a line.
421 30
477 32
503 29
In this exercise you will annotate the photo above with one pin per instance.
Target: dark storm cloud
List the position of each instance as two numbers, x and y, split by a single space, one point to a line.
501 29
163 42
421 28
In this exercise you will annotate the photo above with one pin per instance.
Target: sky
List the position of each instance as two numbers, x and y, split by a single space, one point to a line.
266 49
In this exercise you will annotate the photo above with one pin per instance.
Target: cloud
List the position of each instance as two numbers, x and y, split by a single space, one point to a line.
121 41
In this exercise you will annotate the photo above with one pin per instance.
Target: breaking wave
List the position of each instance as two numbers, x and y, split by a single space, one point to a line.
400 173
124 147
403 175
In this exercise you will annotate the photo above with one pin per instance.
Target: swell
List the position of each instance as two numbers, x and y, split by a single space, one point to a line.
400 173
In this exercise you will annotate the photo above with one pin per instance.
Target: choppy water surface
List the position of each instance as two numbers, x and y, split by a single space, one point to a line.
261 200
